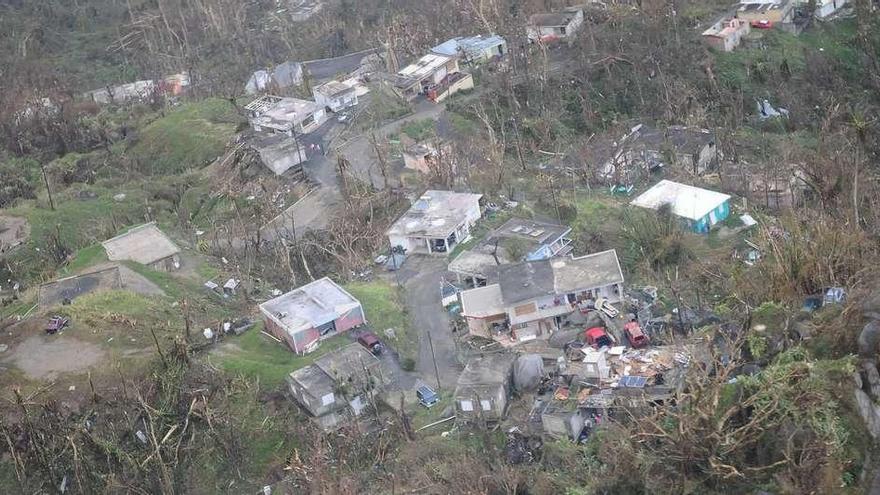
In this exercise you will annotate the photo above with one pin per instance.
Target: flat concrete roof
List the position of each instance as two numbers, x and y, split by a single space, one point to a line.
313 304
687 201
347 362
482 302
144 244
436 214
534 232
492 369
333 89
281 112
534 279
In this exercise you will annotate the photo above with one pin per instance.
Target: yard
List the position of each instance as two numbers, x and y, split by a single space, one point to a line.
384 309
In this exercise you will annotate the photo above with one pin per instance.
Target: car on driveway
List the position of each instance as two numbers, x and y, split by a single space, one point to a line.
371 342
427 396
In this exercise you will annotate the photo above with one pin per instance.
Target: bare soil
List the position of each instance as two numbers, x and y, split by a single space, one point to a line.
45 357
13 232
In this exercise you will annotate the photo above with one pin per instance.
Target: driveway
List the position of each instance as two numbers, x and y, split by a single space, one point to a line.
421 277
329 68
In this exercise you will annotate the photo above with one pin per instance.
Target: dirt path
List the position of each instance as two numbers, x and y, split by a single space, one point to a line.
44 357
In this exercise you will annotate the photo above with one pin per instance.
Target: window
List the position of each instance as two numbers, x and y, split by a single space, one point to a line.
486 405
328 399
467 405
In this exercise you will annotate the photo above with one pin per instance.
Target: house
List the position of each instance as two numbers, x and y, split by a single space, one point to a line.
335 95
339 385
138 90
765 14
285 75
726 34
306 315
144 244
435 76
481 394
826 8
473 50
436 223
290 116
555 26
532 298
280 154
518 239
427 157
700 208
647 149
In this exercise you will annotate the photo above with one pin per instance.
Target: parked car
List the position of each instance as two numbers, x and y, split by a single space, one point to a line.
56 324
427 396
598 337
635 335
371 342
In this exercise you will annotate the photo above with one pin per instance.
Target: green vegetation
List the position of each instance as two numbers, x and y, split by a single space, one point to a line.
187 137
85 258
420 130
384 309
256 356
124 317
422 415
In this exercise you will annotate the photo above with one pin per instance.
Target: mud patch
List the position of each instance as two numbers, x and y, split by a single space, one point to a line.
14 231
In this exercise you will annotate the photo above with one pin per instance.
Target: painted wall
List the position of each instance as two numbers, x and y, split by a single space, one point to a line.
705 224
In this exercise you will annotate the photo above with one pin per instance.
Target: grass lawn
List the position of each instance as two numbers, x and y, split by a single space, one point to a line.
189 136
422 415
259 357
384 308
84 258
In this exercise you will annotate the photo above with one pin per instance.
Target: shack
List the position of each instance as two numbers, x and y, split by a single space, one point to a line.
481 394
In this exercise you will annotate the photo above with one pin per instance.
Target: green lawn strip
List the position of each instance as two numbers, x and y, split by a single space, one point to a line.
256 356
384 308
85 258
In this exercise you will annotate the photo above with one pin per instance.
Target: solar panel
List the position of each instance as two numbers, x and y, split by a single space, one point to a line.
633 381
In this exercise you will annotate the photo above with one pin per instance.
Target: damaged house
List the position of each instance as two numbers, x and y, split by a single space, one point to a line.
531 299
483 388
435 76
551 27
340 385
335 95
646 149
516 240
700 209
427 157
308 314
473 50
282 115
726 34
144 244
436 223
282 76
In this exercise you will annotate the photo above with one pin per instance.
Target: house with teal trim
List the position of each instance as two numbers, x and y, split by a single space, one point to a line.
700 209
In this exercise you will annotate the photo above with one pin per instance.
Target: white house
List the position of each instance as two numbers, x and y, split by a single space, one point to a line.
335 95
555 26
436 222
700 208
289 116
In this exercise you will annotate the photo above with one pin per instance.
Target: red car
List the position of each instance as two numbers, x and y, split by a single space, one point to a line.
635 335
762 24
597 337
371 342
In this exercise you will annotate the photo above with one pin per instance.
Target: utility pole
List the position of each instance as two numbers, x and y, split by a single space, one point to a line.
48 189
434 359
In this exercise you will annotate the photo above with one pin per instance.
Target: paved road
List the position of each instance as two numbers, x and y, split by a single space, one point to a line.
421 277
359 151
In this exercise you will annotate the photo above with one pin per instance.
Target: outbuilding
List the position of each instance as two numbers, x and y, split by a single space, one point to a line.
699 208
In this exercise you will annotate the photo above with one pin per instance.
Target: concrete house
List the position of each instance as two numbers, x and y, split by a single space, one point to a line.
335 95
726 34
435 76
517 240
481 393
436 223
532 298
280 154
289 116
339 385
765 14
699 208
144 244
826 8
555 26
473 50
308 314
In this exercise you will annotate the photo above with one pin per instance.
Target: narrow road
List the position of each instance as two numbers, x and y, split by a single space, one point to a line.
421 277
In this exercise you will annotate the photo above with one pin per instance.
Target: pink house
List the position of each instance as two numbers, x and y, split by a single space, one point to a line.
726 34
308 314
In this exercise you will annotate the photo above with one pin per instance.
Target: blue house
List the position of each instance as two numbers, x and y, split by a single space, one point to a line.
700 209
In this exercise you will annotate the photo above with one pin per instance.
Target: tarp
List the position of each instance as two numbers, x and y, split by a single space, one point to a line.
528 370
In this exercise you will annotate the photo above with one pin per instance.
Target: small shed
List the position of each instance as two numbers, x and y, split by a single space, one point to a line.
483 387
144 244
